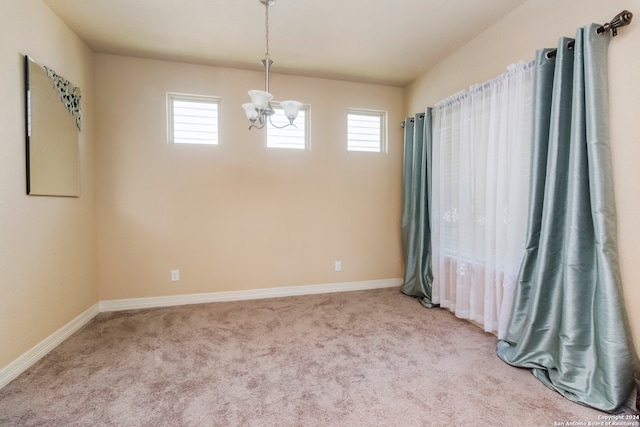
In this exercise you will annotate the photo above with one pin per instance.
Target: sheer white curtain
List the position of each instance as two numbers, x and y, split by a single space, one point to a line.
481 152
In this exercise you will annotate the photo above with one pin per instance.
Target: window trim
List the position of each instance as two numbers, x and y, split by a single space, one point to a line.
383 115
307 142
175 96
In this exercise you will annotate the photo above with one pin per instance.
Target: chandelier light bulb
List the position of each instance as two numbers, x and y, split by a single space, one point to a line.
291 109
250 111
260 99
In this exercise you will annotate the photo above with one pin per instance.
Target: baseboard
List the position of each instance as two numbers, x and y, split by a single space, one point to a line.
22 363
166 301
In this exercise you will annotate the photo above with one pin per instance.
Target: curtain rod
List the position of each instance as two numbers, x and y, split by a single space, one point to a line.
411 120
620 20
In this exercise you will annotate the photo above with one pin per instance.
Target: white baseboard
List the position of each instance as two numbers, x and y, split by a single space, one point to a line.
166 301
22 363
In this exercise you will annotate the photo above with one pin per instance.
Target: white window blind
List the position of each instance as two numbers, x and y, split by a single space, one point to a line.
289 137
193 119
366 130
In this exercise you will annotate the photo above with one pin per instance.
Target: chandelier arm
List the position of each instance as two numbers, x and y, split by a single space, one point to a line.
260 120
282 127
253 125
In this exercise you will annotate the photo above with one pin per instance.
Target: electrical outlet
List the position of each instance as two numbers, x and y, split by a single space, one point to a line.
175 275
338 265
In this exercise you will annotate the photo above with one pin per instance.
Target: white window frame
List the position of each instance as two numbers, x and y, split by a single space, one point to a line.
382 143
270 130
202 99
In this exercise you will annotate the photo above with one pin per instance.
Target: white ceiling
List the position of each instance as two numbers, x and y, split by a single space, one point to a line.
379 41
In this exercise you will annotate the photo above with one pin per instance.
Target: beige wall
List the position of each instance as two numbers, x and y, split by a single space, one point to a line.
239 216
539 23
47 244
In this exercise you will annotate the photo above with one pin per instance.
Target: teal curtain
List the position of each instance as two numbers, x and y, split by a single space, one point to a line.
568 322
416 232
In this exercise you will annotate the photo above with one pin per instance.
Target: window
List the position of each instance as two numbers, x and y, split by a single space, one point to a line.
479 196
289 137
366 130
192 119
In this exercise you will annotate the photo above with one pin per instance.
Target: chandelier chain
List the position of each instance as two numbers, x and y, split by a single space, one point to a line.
266 25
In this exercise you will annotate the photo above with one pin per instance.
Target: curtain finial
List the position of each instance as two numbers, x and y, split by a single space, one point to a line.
620 20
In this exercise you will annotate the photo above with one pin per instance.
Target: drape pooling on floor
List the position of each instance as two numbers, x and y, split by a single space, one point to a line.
568 322
481 155
416 231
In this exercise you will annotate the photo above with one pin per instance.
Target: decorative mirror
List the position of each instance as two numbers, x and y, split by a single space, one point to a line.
53 121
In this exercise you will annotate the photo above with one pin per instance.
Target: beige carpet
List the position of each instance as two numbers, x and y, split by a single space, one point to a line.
371 358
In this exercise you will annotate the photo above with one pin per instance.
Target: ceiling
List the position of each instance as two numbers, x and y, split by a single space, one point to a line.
378 41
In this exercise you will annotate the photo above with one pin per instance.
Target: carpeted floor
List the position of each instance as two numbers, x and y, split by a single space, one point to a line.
370 358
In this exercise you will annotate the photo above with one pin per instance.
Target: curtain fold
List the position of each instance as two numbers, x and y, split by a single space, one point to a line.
416 230
568 322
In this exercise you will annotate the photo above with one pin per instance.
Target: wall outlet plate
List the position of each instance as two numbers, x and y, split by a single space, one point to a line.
175 275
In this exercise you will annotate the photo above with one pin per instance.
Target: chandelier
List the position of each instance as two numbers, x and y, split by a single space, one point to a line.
259 110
